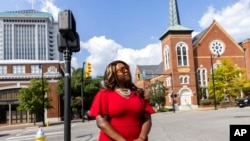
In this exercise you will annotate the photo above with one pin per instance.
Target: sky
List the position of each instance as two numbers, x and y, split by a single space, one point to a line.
129 30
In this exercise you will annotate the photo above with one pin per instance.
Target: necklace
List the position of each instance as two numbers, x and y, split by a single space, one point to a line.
123 92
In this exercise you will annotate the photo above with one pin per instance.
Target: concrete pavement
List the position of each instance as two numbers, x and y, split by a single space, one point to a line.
197 125
39 124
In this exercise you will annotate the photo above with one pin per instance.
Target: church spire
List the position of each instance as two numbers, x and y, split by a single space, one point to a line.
173 13
174 20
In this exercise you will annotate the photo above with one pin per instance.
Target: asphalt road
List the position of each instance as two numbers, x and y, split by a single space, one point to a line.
209 125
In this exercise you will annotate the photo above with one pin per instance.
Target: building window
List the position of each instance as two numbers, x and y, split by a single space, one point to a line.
182 54
9 94
217 47
52 69
36 69
184 79
202 77
3 69
18 69
168 81
167 57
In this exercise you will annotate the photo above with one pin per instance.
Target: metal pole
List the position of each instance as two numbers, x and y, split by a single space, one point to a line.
245 60
43 98
67 95
82 83
211 59
172 92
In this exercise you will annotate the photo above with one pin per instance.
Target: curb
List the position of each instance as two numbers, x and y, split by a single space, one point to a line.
38 124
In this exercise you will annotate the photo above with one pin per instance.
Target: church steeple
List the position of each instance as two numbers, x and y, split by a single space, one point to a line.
173 13
174 20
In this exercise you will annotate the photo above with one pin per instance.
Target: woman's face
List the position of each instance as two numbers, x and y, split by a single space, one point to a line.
122 73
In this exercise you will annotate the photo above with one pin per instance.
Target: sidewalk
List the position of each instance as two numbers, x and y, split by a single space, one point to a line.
25 125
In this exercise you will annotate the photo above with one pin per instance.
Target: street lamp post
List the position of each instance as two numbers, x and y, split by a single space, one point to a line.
41 66
172 94
211 60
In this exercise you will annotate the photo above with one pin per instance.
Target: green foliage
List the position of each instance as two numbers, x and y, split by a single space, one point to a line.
206 102
163 110
228 81
31 98
76 82
157 93
90 88
246 88
60 88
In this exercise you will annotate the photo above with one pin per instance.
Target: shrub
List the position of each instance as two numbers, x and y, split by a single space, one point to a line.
163 110
206 102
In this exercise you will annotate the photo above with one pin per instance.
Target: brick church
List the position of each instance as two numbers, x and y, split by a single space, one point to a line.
187 61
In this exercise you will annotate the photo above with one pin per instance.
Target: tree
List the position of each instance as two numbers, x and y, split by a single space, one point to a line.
90 88
228 81
60 87
76 83
157 93
31 98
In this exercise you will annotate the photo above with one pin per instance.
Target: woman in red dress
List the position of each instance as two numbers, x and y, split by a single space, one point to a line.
121 112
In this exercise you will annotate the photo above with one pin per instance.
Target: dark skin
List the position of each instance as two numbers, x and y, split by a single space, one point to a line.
123 76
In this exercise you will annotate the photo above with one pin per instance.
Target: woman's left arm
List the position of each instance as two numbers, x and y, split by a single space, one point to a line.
146 126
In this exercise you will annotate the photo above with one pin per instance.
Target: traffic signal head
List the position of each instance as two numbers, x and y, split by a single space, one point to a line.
138 76
67 25
67 36
87 74
88 69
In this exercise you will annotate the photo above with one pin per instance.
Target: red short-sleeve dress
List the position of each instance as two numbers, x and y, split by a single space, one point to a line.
125 113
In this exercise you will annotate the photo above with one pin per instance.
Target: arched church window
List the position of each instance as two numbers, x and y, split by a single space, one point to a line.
166 57
182 54
184 79
202 77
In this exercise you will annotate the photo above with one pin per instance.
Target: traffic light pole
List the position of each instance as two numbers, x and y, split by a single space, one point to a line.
67 95
82 83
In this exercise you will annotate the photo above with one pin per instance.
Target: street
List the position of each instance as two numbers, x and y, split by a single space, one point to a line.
208 125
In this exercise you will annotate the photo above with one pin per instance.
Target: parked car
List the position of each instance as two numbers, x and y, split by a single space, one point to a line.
244 102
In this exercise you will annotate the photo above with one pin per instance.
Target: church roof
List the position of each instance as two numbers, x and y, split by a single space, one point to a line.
197 38
150 71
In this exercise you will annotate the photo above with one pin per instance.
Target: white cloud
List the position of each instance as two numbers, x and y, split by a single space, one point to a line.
103 51
74 62
234 19
48 6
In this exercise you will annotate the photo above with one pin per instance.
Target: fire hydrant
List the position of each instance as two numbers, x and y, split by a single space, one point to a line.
40 135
